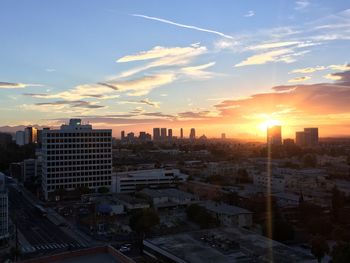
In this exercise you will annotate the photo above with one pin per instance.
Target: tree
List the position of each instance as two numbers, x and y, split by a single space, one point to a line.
103 190
319 226
341 253
13 153
337 202
201 216
281 230
309 160
60 194
143 220
82 190
319 247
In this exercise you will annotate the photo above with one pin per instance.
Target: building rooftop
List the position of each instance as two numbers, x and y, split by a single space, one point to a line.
168 192
224 245
222 208
124 198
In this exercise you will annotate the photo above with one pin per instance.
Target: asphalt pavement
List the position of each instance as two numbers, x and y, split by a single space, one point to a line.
41 234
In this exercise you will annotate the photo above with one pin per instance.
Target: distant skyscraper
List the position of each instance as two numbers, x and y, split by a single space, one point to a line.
311 136
122 135
274 136
156 134
170 133
130 137
300 138
193 134
163 133
30 135
223 136
76 156
40 135
308 137
143 137
181 133
20 138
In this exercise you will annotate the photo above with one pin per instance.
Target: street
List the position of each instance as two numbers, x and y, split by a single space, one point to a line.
42 235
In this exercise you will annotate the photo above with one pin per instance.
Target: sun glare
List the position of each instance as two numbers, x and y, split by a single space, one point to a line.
266 124
271 122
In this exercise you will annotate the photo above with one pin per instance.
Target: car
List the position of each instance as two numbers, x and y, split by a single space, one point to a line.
124 249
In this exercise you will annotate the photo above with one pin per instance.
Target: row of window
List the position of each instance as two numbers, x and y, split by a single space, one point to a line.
72 186
78 168
78 140
145 180
78 179
79 146
78 157
78 174
80 151
77 134
70 163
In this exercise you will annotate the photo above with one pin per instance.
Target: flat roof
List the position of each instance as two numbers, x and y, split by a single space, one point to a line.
167 192
224 245
223 208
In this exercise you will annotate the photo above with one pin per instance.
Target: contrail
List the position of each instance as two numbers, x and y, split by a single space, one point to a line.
182 25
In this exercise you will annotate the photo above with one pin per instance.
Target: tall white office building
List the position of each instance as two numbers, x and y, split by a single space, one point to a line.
4 229
76 156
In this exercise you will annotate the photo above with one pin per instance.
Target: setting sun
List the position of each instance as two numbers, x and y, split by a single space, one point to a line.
262 127
270 123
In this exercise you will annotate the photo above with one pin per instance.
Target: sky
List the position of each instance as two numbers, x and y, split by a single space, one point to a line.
219 66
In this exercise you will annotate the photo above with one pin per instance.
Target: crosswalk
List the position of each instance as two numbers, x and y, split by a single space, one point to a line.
52 246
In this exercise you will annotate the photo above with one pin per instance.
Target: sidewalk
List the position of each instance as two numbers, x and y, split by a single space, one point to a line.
21 239
70 229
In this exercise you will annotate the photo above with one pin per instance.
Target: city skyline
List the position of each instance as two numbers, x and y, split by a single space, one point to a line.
183 71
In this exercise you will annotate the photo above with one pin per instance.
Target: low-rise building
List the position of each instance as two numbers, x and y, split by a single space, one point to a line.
132 181
170 196
221 245
221 168
229 215
132 202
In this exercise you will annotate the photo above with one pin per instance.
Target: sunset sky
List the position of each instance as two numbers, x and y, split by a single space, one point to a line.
219 66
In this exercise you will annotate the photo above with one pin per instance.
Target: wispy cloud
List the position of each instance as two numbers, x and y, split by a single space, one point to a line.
162 57
272 45
332 77
250 13
13 85
308 70
198 71
301 4
74 104
205 114
341 67
146 101
338 67
142 85
299 79
183 25
263 58
95 91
